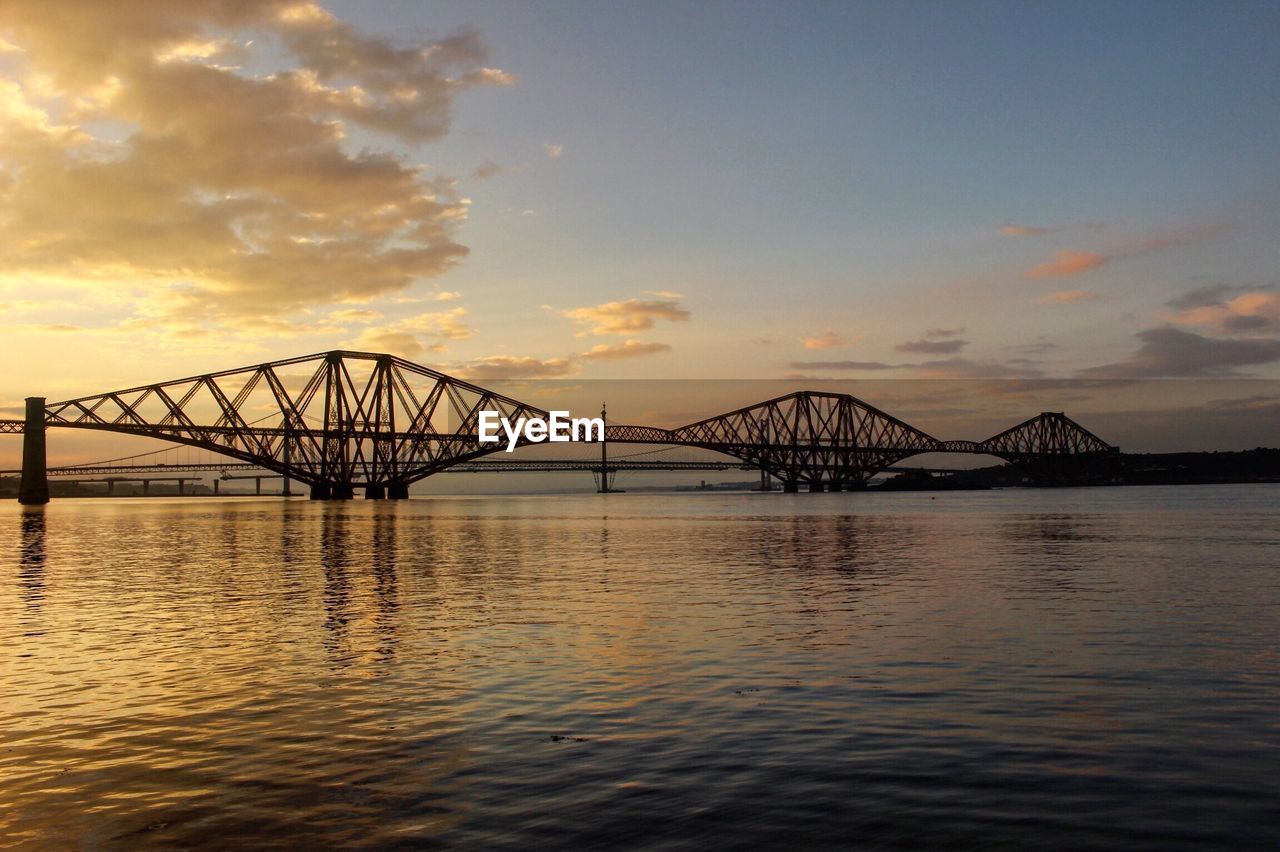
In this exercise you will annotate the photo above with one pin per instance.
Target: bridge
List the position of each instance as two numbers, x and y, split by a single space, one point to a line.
340 421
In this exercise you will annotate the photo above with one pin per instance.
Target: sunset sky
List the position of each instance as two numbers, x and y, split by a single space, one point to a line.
604 190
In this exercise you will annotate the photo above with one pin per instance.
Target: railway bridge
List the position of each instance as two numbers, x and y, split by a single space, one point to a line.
343 421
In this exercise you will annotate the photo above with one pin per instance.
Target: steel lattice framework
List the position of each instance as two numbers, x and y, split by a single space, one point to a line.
807 437
343 420
336 420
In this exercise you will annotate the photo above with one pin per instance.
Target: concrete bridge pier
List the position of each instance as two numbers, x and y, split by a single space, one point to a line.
375 492
817 487
33 489
790 487
397 491
835 486
320 491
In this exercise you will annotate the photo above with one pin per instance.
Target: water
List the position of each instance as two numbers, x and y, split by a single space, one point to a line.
1062 669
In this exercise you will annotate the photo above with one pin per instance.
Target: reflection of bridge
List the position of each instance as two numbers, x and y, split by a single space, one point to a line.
339 421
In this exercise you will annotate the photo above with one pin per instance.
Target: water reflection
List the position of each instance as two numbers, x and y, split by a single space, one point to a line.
384 553
31 560
335 559
698 672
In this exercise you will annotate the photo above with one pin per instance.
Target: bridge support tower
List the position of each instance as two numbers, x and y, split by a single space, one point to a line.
33 490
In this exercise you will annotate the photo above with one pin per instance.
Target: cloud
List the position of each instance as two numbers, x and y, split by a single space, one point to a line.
1212 294
932 347
177 174
498 367
355 315
1038 348
827 340
948 368
844 365
630 349
963 368
1249 312
1012 230
402 343
511 367
404 336
1068 263
486 170
1166 351
553 152
1063 297
943 333
629 316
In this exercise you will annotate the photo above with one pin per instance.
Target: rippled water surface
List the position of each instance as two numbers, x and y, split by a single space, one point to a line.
1070 668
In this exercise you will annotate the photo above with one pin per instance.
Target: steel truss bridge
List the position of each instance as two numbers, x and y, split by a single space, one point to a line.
341 421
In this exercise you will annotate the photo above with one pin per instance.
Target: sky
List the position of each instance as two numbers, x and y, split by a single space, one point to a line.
992 193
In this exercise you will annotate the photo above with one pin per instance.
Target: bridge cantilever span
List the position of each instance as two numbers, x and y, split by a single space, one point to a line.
343 420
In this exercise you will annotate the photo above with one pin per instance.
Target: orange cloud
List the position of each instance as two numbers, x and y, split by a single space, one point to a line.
827 340
1022 230
1068 263
1249 312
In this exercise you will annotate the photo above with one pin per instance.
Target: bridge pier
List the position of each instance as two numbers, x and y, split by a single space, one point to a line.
375 492
397 491
33 489
835 486
320 491
817 487
790 487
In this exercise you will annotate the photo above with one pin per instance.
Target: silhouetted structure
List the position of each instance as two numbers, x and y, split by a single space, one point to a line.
340 420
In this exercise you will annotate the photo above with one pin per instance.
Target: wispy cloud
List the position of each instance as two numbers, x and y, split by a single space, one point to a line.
845 365
553 151
405 336
498 367
513 367
943 333
946 368
1071 262
629 316
1013 230
1064 297
486 170
827 340
1068 263
393 342
932 347
629 349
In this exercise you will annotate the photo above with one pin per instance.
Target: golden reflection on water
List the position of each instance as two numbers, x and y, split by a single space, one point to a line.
590 670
